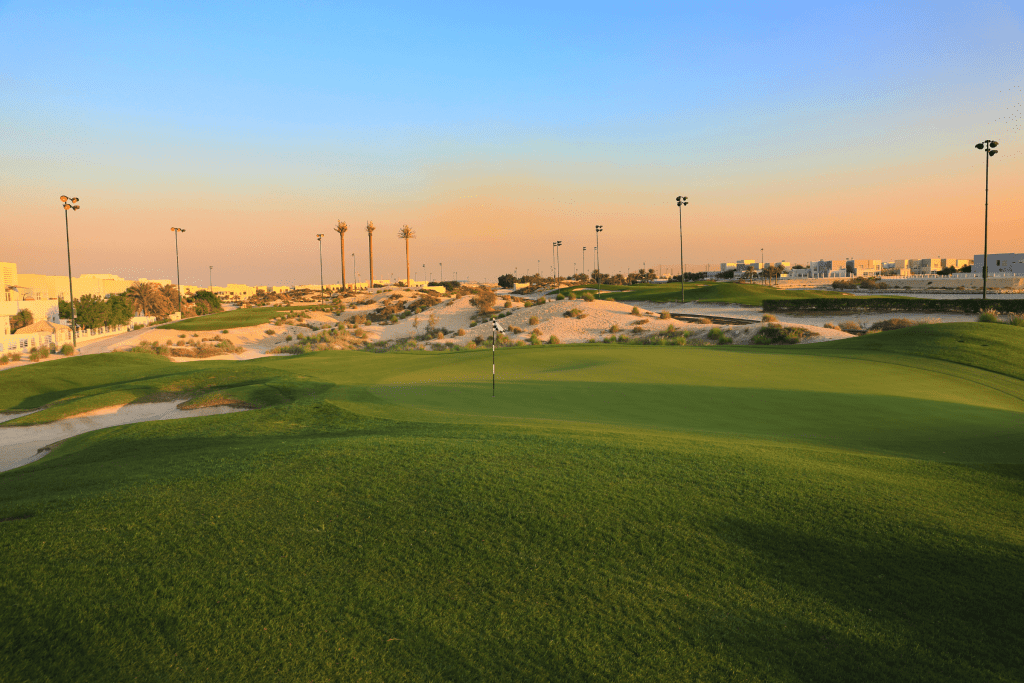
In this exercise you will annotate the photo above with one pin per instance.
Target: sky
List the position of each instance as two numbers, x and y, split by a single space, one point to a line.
809 130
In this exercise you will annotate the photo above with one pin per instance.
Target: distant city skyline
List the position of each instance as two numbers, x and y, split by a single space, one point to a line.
812 132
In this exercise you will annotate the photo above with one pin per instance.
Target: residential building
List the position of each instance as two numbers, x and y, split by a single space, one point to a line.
863 267
1000 264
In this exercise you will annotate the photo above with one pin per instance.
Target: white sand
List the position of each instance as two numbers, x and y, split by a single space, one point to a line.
22 445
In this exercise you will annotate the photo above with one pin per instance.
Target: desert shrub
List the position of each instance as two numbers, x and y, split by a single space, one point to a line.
769 318
67 350
572 296
223 331
461 332
554 340
575 313
635 311
534 320
613 329
478 339
508 304
527 303
181 336
3 359
665 315
520 343
892 324
560 297
773 333
851 327
472 323
988 316
703 321
542 300
831 326
1016 319
180 343
534 339
14 356
516 330
720 337
670 329
484 300
269 332
587 296
38 354
470 345
288 337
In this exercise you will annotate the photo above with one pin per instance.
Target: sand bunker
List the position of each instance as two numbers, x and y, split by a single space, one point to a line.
22 445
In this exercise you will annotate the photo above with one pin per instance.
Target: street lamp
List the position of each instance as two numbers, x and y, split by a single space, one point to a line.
989 148
441 266
320 241
70 205
681 202
584 260
211 279
177 263
597 256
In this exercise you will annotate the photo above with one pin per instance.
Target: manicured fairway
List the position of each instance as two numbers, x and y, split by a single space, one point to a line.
229 320
844 511
726 292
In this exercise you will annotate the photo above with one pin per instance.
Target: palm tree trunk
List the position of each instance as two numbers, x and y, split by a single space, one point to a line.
343 262
408 282
370 234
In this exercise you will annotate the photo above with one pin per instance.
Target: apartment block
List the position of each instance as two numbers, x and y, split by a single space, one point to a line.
864 267
1000 264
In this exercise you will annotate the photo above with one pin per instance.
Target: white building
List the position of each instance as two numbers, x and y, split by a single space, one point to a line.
1000 264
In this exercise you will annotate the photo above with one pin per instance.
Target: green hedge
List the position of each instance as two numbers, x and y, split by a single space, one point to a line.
893 304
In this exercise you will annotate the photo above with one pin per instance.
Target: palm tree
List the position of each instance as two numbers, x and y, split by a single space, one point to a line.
406 233
341 228
370 227
143 296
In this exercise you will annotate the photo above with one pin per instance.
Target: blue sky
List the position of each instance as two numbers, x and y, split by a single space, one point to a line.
837 130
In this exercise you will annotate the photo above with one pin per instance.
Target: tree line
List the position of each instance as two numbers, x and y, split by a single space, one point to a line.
142 298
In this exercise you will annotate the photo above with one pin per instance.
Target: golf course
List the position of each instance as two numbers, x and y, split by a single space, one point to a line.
841 511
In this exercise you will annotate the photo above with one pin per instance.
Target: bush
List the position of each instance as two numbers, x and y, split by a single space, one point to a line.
587 296
1017 320
527 303
892 324
613 329
534 320
560 297
553 340
472 323
831 326
461 332
719 336
470 345
851 327
575 313
572 296
269 332
534 339
769 318
38 354
222 332
665 315
508 304
895 304
67 350
988 316
635 311
541 300
773 333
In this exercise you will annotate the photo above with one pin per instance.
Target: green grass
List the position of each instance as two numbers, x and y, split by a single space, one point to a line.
727 292
241 317
844 511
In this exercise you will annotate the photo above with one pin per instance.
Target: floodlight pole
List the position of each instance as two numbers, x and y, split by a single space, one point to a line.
681 202
598 229
177 263
70 205
211 279
494 334
320 241
986 147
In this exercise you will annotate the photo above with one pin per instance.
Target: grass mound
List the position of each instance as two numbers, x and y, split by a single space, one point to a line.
242 317
725 292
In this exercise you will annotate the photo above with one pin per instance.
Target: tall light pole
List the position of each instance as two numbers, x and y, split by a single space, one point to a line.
681 202
177 263
320 241
558 262
584 260
598 229
211 279
441 266
989 148
356 282
70 205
